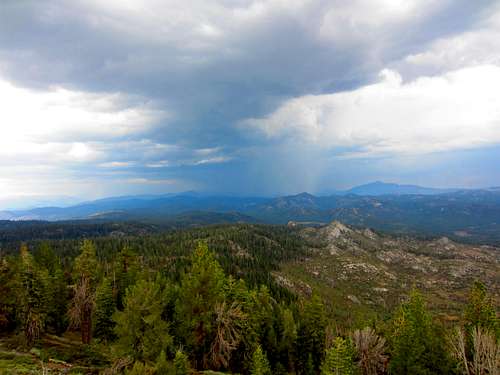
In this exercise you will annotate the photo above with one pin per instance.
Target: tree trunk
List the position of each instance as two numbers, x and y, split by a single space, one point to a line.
86 327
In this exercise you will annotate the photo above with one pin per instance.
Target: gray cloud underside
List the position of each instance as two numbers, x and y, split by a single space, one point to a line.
195 71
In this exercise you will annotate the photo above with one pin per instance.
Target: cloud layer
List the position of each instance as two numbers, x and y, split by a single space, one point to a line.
457 110
241 95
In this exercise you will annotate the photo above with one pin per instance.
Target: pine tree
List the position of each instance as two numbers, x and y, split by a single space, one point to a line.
289 339
201 289
312 330
480 312
181 364
9 294
33 296
260 363
339 358
140 329
57 305
162 366
126 270
105 307
46 257
140 368
83 302
308 368
416 341
263 316
86 264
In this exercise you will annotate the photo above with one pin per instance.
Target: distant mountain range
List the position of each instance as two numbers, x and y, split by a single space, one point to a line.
383 188
472 215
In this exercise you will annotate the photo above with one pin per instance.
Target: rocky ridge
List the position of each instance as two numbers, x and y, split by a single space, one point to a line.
371 272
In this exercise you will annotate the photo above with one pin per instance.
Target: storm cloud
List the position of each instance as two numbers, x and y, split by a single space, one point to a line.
255 97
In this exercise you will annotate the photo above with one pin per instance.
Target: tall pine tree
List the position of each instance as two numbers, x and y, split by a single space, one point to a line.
105 307
416 341
142 333
85 272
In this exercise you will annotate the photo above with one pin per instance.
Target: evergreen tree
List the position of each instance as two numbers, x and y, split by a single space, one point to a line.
33 297
181 364
83 302
308 368
260 364
264 314
140 329
339 358
162 366
416 341
46 257
9 294
140 368
311 340
105 307
126 270
288 339
57 305
480 312
86 264
201 289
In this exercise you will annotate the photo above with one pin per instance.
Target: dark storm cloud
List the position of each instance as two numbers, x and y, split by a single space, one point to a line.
209 66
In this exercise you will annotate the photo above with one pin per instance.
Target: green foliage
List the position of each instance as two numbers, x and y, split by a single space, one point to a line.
201 289
162 366
480 311
142 333
140 368
86 265
339 358
57 304
260 364
9 292
181 364
222 306
46 257
105 307
416 341
288 341
311 337
85 273
33 297
126 270
264 314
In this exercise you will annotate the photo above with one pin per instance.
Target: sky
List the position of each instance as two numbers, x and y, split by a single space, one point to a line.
116 97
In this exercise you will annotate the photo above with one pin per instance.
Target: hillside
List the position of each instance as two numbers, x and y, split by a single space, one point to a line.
360 273
267 287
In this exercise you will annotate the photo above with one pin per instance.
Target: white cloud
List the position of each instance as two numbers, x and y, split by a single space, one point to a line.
158 164
61 125
478 46
116 164
213 160
369 19
457 110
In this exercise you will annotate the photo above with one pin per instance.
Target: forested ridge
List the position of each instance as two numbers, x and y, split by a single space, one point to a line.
206 299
